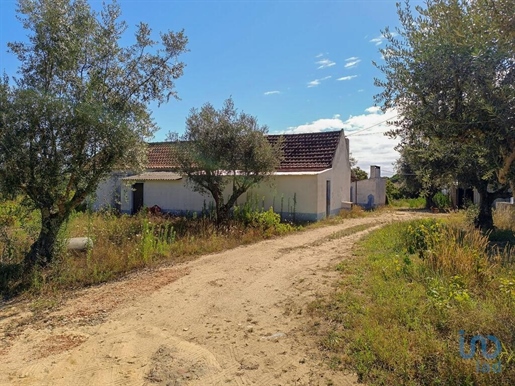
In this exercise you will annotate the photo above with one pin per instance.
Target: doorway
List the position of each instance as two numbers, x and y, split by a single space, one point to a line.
137 197
327 198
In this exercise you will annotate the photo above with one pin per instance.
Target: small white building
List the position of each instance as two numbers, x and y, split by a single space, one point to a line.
311 183
370 193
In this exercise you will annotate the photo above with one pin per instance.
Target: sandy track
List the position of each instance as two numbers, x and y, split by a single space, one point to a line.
232 318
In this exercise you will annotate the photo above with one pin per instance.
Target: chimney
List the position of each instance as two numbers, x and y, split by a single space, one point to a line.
375 171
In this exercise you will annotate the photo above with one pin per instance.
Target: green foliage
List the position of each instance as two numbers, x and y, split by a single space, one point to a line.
411 203
422 235
507 287
446 295
442 201
452 87
392 191
358 174
223 148
79 107
267 221
122 244
394 319
471 213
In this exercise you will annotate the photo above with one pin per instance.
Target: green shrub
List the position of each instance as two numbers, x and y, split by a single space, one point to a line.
422 235
266 221
471 214
442 201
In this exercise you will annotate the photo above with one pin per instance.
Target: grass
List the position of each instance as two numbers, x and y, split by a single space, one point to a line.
504 218
409 203
345 214
396 316
122 244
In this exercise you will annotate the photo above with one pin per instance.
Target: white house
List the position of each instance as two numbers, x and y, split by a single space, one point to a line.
311 183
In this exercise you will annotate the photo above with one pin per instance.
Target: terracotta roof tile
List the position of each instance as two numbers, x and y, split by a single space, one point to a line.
310 151
160 156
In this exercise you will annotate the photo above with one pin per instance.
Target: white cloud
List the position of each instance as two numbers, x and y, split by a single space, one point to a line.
370 146
324 124
319 55
324 63
377 41
272 92
351 59
361 90
380 39
373 110
347 77
352 63
316 82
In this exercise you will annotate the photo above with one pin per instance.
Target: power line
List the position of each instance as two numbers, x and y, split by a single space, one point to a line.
369 127
372 133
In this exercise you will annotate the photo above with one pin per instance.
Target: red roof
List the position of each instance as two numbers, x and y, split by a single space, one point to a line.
302 152
310 151
160 156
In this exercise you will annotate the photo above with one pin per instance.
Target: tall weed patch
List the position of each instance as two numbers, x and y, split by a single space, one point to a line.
402 302
121 244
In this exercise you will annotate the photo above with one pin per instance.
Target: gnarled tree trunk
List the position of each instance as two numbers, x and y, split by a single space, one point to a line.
485 218
43 250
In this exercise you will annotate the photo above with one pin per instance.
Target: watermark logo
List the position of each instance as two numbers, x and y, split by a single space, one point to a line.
482 367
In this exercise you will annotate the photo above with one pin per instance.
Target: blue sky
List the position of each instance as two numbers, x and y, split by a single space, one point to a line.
299 66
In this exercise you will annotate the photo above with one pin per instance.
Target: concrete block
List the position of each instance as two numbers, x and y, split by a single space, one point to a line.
80 243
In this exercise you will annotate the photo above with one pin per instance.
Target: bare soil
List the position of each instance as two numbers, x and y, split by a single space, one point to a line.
232 318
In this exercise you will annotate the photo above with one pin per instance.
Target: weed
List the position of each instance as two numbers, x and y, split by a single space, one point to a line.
395 317
409 203
504 218
121 244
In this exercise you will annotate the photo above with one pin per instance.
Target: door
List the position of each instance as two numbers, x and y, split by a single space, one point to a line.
137 197
328 198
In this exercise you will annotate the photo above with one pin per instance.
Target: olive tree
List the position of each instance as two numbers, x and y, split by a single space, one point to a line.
449 70
79 106
222 148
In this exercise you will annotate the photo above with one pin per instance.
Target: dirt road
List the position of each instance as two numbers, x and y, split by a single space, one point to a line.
233 318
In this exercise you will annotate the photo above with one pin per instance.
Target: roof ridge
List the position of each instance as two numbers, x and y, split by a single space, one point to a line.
305 151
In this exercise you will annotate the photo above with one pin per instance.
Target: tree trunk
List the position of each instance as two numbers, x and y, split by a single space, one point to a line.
223 211
485 218
429 197
220 212
43 250
222 215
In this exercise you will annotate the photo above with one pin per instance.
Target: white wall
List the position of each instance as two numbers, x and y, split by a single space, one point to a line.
109 192
170 195
291 193
340 177
297 193
302 196
371 192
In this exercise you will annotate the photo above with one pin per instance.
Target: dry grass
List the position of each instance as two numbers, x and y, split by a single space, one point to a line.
122 244
504 218
462 252
396 315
